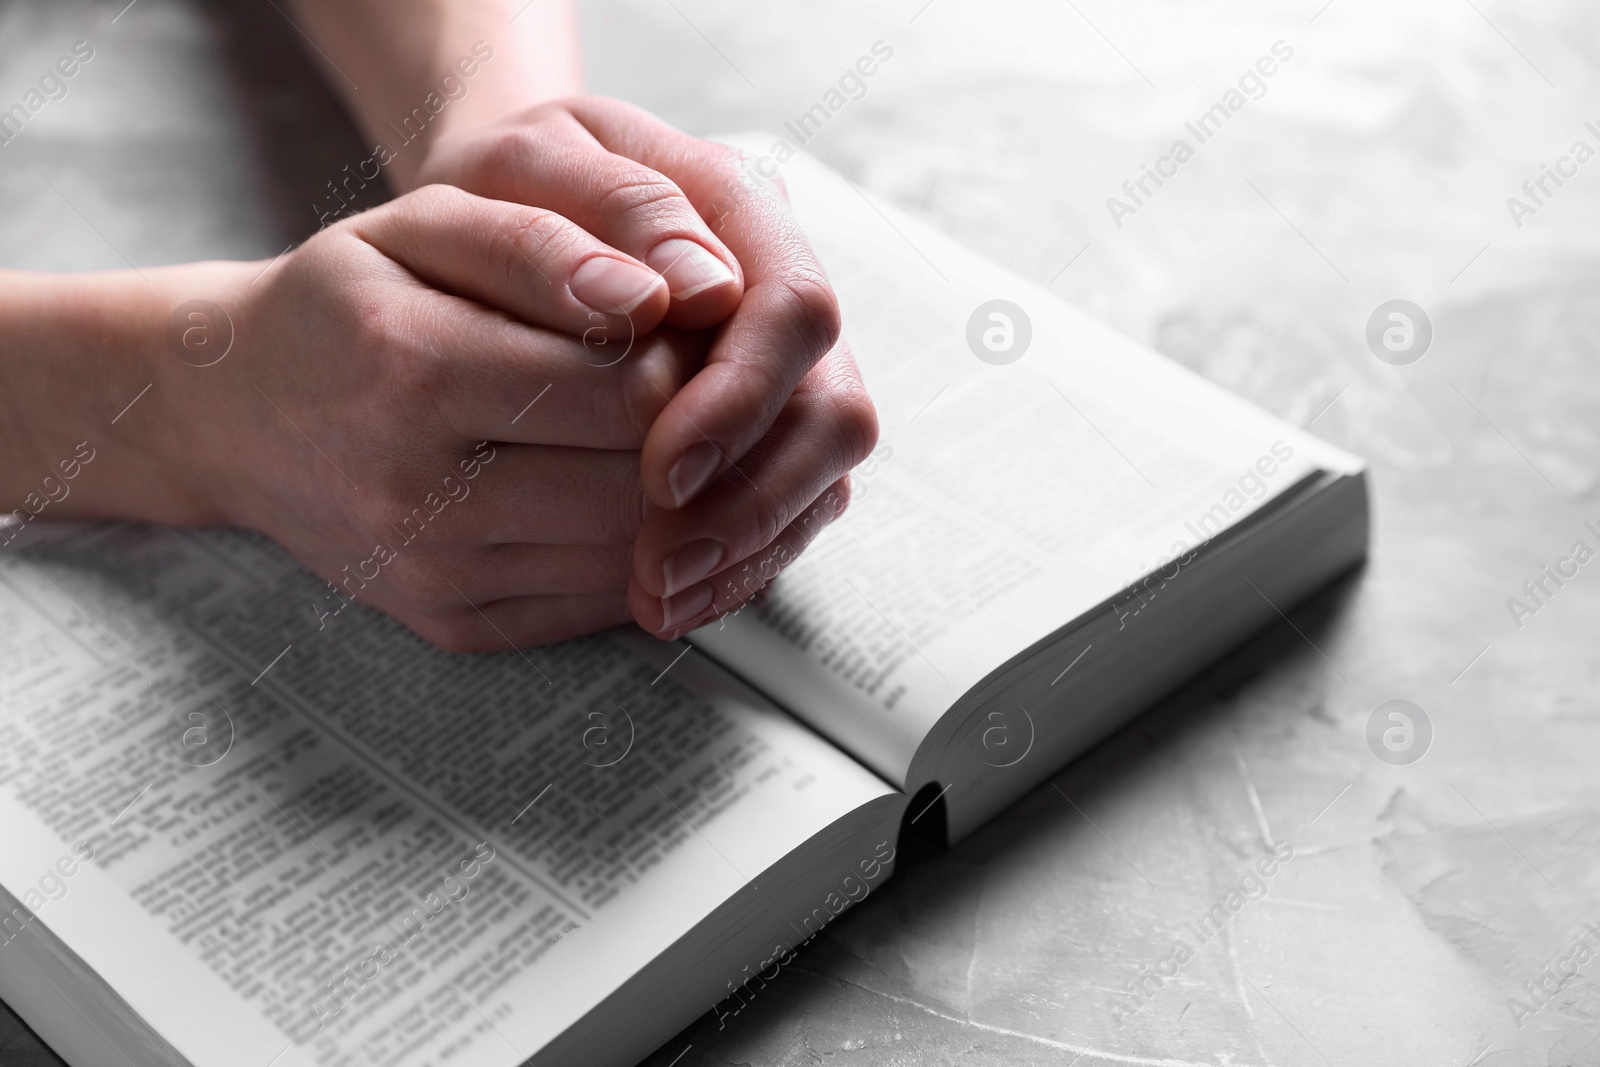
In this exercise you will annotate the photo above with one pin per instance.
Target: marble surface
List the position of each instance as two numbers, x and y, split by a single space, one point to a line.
1375 164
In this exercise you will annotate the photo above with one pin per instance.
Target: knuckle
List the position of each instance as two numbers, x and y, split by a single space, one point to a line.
510 152
769 382
642 402
810 308
439 199
742 179
554 111
828 507
429 372
642 194
541 240
378 335
656 369
833 399
623 504
376 325
410 373
769 513
855 418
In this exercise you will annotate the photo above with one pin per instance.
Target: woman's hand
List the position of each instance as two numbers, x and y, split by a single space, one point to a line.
739 466
751 457
428 405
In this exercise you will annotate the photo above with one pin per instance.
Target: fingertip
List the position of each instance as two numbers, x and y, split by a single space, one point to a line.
628 298
692 472
677 612
615 286
670 618
695 274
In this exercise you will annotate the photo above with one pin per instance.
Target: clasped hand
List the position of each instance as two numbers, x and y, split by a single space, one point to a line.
588 373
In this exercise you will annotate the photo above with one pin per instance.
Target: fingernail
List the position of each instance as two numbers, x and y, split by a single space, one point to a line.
675 611
613 286
688 267
691 563
693 470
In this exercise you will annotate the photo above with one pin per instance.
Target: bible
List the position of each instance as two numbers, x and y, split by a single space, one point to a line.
248 822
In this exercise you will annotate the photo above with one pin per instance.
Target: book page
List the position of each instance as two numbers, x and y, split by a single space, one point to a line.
277 831
1004 500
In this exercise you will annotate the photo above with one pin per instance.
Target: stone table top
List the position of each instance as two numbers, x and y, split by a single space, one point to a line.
1375 163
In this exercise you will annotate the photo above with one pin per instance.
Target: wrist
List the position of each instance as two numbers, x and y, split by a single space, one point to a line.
89 384
446 67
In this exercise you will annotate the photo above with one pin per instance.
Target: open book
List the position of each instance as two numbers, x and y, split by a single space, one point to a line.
239 829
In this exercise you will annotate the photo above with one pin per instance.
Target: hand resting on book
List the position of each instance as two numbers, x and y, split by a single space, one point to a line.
600 379
775 372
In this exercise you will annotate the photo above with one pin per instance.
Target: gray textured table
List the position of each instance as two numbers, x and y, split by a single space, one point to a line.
1375 164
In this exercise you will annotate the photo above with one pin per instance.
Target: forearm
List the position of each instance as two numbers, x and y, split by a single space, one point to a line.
390 62
90 395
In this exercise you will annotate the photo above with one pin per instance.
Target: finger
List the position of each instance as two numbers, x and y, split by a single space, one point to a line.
457 622
538 495
738 584
812 444
528 262
429 578
521 622
754 501
787 320
499 571
557 164
498 380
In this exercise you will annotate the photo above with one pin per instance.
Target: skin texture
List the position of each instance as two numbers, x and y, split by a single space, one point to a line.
776 374
583 371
